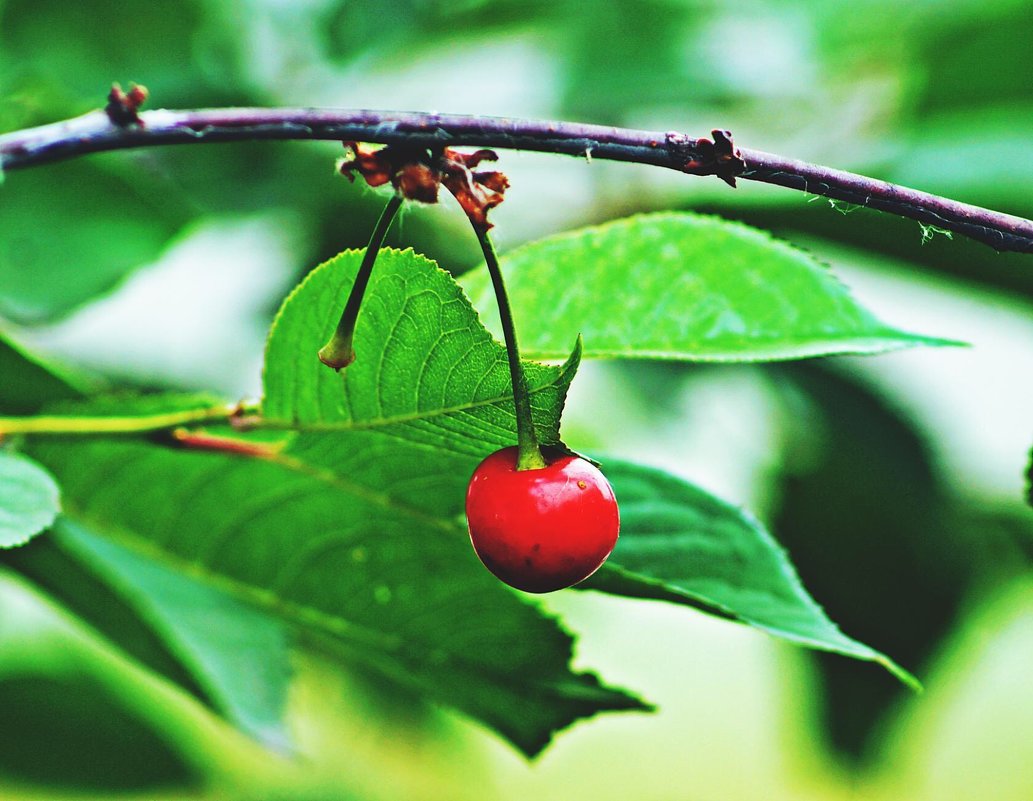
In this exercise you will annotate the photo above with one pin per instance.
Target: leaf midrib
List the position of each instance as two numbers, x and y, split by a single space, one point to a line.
385 422
880 344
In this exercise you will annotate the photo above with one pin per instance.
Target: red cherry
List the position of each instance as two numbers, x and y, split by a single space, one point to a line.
541 530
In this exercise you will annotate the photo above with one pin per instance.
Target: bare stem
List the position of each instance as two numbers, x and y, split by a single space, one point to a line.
106 426
95 132
530 454
227 445
339 351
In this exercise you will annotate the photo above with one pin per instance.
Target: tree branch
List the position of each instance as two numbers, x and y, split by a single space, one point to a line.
96 131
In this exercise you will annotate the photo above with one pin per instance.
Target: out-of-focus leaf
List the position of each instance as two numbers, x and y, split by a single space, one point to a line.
1029 480
236 656
71 231
70 717
29 499
873 534
613 56
27 383
975 65
937 160
186 55
65 578
678 543
686 287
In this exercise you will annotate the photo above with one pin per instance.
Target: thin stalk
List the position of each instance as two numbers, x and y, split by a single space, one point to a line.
530 454
339 351
228 445
105 426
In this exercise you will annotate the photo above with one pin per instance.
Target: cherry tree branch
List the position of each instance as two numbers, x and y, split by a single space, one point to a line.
100 131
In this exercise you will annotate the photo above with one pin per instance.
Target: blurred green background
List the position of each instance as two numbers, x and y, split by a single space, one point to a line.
895 482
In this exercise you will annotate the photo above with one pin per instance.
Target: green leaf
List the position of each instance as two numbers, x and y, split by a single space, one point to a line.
397 590
681 544
907 553
1029 480
74 718
27 383
682 286
428 396
228 654
65 578
351 533
29 499
53 257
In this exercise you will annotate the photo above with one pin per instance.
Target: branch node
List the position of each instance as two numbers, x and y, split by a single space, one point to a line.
718 156
123 107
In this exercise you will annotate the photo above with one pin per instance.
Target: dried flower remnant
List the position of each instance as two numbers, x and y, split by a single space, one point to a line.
418 174
477 192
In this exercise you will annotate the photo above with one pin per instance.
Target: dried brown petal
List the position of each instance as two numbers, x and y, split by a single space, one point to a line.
475 199
373 165
470 160
495 181
418 175
418 182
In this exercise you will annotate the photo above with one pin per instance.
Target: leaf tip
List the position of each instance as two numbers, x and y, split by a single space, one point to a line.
939 342
574 359
905 677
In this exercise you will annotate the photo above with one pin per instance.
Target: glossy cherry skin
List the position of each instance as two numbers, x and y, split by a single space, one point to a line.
541 530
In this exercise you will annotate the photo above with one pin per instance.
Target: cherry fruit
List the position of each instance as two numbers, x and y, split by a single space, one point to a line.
545 529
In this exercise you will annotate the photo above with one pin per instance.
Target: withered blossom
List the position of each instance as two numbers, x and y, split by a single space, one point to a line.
418 173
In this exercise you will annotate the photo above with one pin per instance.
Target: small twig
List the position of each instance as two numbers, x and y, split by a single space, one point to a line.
65 425
192 440
95 132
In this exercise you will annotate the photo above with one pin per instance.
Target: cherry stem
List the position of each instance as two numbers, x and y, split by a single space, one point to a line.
529 453
339 351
